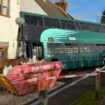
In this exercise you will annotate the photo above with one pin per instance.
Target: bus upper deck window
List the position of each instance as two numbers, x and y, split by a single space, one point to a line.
49 22
102 29
33 20
96 28
77 25
68 24
85 27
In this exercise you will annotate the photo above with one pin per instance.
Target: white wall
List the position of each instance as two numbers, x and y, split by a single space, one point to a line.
31 6
9 28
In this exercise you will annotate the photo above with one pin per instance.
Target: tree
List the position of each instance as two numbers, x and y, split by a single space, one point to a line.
103 17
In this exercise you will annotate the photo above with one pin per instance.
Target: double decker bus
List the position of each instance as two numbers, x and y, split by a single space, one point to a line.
75 43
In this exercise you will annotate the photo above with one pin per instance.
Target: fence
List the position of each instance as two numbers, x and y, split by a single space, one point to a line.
97 74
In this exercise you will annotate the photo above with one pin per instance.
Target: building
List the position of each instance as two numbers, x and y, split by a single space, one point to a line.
10 10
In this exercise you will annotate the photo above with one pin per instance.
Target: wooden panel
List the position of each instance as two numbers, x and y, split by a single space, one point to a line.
7 62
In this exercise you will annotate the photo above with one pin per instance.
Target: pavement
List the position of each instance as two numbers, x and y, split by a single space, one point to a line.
7 98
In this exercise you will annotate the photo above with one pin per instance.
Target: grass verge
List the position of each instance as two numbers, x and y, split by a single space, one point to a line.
91 97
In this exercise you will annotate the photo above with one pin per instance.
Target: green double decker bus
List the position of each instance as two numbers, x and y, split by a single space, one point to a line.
77 44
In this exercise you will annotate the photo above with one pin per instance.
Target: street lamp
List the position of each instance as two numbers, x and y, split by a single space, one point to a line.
20 21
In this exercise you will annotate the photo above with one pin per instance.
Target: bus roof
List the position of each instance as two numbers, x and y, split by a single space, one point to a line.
59 18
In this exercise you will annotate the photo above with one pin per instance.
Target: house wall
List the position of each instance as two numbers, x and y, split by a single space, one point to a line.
32 7
9 28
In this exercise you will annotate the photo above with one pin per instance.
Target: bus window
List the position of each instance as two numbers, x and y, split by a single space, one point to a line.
67 50
81 49
71 50
102 29
75 49
86 49
77 25
93 49
96 28
61 50
52 22
56 48
85 27
100 48
33 20
68 24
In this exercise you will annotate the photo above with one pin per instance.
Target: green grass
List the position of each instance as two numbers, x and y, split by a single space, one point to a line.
90 97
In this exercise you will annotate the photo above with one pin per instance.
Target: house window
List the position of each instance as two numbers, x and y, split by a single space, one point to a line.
4 7
3 52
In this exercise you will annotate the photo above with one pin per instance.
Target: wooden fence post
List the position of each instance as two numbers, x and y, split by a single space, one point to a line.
43 97
97 79
97 85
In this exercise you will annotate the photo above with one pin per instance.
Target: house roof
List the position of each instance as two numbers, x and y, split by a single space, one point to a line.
53 10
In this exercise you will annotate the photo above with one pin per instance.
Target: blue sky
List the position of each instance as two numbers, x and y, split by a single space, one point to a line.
87 10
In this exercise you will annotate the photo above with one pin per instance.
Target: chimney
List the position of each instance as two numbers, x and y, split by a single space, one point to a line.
62 4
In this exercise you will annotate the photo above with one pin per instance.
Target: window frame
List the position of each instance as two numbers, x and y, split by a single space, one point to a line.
3 51
8 9
68 24
50 22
